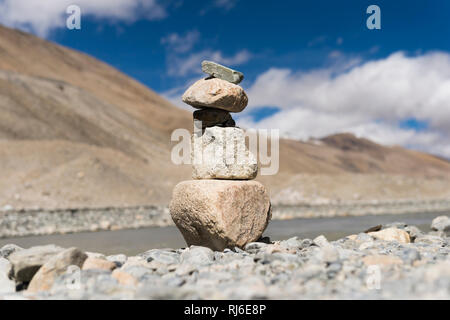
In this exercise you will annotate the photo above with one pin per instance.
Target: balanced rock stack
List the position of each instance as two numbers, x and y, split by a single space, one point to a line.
222 208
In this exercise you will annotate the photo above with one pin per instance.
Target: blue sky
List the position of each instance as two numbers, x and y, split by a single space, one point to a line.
311 67
292 34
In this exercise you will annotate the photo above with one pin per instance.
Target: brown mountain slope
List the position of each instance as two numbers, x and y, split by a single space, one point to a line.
77 132
347 153
23 53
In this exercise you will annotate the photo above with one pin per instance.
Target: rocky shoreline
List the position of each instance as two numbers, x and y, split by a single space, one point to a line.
393 261
27 222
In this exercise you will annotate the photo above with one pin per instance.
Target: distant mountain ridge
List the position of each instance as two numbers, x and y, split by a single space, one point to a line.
74 131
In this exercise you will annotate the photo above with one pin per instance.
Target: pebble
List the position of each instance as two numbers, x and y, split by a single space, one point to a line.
8 249
27 262
254 247
57 265
392 234
165 257
292 243
321 241
118 259
441 223
101 264
363 237
328 254
124 278
290 269
197 255
413 231
381 260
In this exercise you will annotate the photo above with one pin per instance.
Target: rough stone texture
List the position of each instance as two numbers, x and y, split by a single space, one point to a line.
218 71
28 261
210 117
9 249
221 153
289 269
99 264
95 255
392 234
220 214
321 241
56 266
216 93
6 285
441 223
197 255
124 278
118 259
379 259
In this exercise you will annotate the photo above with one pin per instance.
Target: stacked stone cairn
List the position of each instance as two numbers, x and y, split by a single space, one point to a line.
223 207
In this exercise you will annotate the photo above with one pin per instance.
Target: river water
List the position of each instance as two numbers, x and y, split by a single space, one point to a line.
132 242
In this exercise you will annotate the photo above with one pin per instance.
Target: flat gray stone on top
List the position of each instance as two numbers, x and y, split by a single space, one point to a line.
218 71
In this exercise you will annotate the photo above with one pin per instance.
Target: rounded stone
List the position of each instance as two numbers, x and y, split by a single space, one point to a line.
441 223
220 214
392 234
216 93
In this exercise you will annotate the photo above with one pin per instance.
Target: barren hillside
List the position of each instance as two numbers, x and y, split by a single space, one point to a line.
77 132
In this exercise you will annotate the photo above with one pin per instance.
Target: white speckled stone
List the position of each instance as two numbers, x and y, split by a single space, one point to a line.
220 153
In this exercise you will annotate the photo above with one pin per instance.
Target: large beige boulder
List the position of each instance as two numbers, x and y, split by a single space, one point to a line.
220 214
221 153
57 265
216 93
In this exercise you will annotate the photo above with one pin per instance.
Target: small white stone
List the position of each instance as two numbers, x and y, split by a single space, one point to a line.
321 241
391 234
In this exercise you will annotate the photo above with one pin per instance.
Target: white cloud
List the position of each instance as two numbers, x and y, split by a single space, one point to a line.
181 44
368 99
320 40
225 4
185 65
43 16
174 94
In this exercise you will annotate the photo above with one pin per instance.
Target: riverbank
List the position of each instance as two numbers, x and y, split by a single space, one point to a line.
19 223
392 261
134 241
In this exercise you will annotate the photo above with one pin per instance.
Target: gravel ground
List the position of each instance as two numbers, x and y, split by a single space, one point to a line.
415 266
19 223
